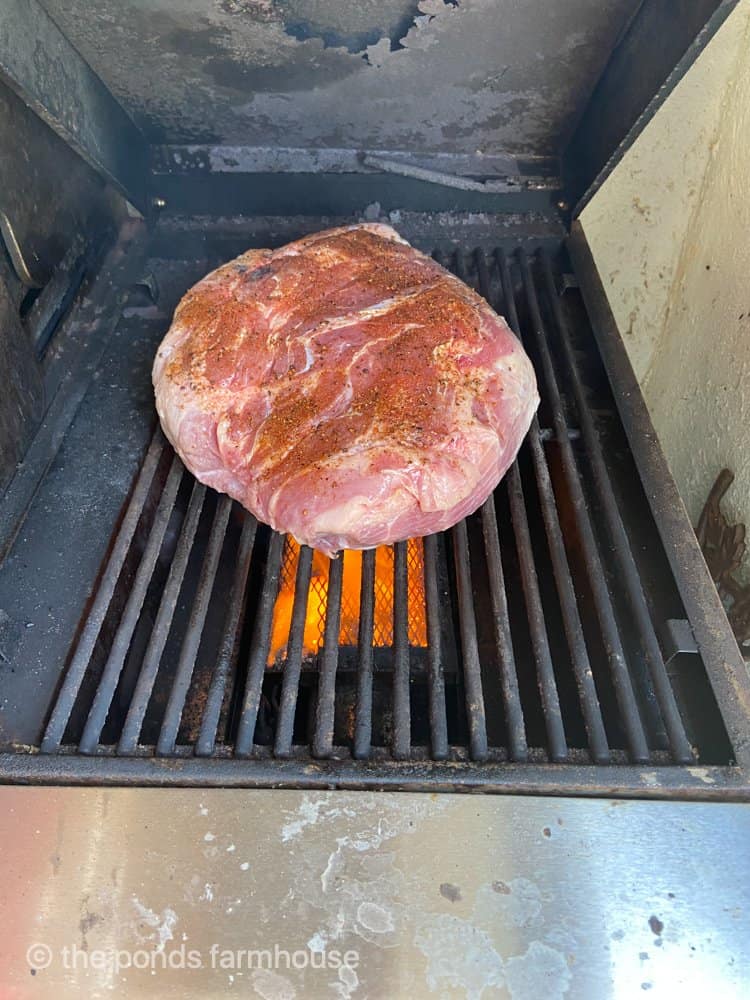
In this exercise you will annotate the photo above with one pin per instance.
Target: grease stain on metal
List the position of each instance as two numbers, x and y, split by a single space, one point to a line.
162 924
540 972
520 906
702 774
374 918
272 986
458 955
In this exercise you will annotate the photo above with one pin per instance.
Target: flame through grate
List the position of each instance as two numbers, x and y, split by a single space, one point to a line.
317 598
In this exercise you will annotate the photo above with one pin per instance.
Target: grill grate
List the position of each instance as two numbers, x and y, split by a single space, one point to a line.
524 635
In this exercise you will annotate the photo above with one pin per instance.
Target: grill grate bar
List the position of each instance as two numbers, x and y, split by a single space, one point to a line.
558 750
435 676
636 736
191 643
158 638
572 624
229 648
503 642
118 651
293 665
260 645
535 611
76 670
475 713
363 716
679 743
322 743
460 269
401 742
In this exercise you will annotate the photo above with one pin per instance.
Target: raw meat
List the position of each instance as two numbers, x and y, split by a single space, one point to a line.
344 388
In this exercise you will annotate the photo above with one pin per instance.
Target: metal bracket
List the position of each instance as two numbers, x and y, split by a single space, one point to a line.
569 281
677 637
148 285
55 298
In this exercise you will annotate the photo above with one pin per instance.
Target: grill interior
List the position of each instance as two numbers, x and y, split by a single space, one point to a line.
535 632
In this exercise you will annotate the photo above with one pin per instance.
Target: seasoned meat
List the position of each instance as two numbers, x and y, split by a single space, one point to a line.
344 388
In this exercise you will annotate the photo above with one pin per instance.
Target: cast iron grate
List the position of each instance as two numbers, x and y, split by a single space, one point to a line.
531 633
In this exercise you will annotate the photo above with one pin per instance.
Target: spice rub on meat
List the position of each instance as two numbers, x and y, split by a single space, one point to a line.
345 389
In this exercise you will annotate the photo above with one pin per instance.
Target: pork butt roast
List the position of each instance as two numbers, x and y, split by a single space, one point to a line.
345 389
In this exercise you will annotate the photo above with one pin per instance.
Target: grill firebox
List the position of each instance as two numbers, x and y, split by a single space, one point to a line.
530 648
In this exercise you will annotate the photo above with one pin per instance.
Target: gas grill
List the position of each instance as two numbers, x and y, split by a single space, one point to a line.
556 641
214 738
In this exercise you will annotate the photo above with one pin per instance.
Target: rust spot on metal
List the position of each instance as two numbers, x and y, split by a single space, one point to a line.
724 547
655 924
450 892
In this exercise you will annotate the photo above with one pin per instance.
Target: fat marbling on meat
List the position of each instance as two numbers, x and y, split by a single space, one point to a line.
344 388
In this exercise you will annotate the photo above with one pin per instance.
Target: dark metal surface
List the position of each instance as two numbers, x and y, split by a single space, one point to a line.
627 569
537 776
502 168
196 238
18 260
573 627
363 722
74 676
592 555
293 666
259 650
49 196
384 75
489 185
662 42
537 626
48 74
340 194
529 649
40 218
676 638
475 710
501 624
22 394
152 657
74 490
69 374
322 742
99 710
728 674
436 675
401 668
229 648
56 297
187 662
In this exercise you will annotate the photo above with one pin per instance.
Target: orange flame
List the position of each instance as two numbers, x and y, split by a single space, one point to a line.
317 596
